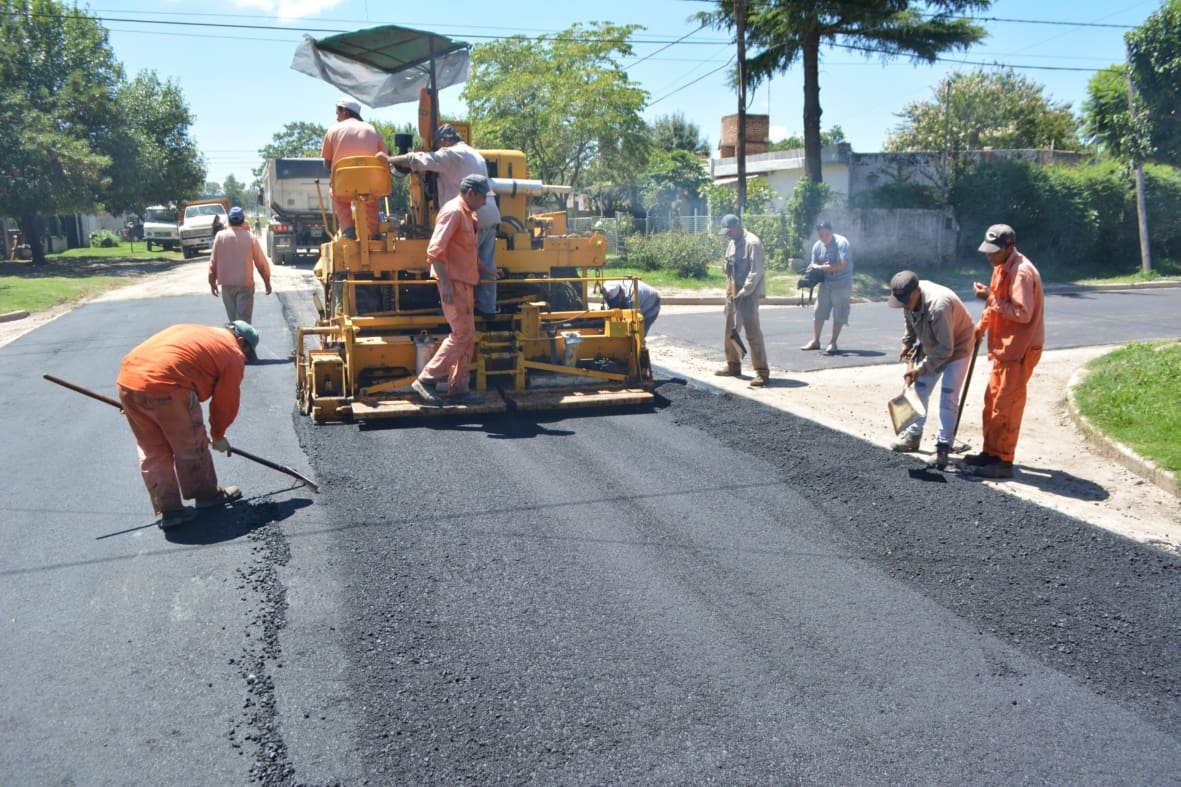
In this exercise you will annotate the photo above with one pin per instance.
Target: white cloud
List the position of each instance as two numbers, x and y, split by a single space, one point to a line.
776 133
288 10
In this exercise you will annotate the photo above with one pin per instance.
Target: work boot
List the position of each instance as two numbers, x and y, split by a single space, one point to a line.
176 517
428 395
908 444
941 455
223 497
997 469
981 459
812 345
729 371
761 380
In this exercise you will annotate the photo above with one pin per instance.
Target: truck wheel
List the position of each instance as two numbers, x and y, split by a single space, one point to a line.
188 252
148 243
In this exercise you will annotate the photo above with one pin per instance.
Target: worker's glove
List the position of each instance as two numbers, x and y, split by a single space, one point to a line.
221 444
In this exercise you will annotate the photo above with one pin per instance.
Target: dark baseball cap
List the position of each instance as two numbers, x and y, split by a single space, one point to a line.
997 237
902 286
729 222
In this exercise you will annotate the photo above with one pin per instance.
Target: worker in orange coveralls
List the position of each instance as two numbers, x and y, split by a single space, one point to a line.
351 136
454 263
162 383
1014 319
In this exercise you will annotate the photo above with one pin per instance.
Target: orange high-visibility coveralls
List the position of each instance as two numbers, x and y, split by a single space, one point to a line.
162 383
1014 319
453 247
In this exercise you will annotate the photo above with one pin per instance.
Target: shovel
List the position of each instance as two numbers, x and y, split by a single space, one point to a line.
904 410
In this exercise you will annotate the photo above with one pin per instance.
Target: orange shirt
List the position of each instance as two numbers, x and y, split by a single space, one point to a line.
453 242
234 249
1016 309
199 358
351 137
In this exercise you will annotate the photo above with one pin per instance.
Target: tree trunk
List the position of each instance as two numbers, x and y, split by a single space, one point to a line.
812 167
31 228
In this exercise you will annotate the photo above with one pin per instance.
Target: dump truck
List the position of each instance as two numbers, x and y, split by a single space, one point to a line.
198 221
380 318
294 194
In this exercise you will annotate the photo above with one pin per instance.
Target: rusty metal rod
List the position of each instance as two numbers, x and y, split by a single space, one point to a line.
233 449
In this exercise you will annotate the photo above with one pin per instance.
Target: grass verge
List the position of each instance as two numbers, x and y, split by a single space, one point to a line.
76 274
1133 396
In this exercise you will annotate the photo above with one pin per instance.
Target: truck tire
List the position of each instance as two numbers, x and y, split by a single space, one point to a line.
148 243
188 252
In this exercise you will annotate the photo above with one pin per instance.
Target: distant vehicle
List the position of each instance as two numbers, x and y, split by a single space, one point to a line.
199 220
289 195
160 229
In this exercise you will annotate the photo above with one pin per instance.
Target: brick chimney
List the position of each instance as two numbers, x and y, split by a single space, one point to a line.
758 135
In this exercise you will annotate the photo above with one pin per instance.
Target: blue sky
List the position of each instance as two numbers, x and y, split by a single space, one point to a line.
239 84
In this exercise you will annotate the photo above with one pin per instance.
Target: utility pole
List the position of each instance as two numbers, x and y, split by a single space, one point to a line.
740 151
1141 206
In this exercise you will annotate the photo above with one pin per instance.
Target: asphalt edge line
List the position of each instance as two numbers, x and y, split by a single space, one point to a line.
1112 449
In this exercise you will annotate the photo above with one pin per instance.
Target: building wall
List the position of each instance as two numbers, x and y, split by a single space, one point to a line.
905 237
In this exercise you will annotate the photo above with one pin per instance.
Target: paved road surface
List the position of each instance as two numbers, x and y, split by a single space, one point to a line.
711 592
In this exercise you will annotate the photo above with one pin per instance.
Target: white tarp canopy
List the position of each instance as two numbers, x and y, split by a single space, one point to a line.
382 66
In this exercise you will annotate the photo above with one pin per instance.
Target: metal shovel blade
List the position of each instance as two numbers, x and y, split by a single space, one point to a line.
904 411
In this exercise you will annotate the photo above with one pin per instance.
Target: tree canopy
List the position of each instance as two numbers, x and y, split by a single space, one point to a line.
1154 49
834 136
674 132
780 32
564 101
74 136
979 109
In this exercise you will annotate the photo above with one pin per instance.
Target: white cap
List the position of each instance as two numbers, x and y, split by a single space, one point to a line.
349 103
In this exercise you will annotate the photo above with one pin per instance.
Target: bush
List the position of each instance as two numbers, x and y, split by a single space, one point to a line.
104 239
774 232
1080 218
806 201
688 256
902 194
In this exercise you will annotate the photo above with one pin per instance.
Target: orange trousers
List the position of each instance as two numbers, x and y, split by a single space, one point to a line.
343 208
1004 403
174 457
454 356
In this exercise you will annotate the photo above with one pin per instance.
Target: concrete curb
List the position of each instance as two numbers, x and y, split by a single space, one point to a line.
13 316
1116 451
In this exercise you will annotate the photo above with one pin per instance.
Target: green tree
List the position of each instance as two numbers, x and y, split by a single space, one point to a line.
834 136
978 109
235 191
780 32
294 140
57 98
154 158
673 132
1106 120
564 101
1154 49
723 198
674 186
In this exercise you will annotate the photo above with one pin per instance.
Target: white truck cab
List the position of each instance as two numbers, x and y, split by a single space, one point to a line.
160 227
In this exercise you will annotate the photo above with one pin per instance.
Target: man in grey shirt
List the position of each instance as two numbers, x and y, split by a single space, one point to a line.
830 255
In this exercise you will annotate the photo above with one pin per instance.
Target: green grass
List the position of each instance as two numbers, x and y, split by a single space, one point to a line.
1133 395
76 274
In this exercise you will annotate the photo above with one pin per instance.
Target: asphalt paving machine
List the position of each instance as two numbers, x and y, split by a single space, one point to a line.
550 347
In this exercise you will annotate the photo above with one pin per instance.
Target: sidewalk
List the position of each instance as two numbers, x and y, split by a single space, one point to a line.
1057 465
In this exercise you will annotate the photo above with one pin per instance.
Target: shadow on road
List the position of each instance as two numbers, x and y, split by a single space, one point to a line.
217 526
